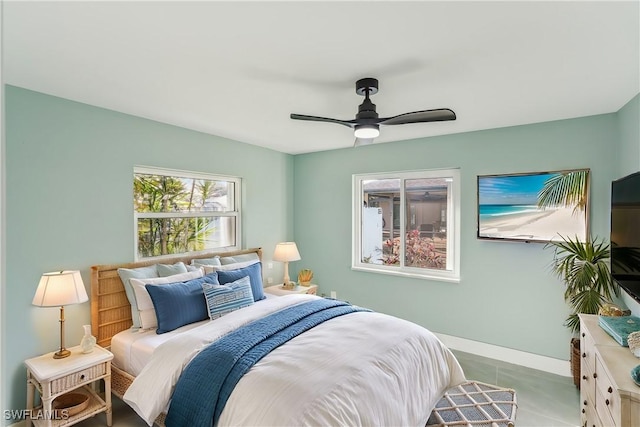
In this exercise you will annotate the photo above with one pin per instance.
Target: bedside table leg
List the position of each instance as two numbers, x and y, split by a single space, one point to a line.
31 391
46 408
107 399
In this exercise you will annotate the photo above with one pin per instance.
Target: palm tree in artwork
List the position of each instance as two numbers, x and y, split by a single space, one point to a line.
565 189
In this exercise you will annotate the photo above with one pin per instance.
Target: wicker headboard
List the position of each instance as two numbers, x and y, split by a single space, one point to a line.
110 308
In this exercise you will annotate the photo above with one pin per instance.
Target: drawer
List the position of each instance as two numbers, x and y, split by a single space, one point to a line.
587 383
75 379
604 419
587 412
604 414
587 348
607 397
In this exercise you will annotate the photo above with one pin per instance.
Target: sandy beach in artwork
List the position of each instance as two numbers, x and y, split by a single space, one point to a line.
536 225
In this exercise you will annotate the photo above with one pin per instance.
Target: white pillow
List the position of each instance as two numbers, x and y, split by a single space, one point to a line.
144 305
228 267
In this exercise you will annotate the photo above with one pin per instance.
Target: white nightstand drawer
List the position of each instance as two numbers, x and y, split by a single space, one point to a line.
75 379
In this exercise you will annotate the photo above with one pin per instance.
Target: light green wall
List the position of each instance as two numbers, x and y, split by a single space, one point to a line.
506 296
68 178
69 204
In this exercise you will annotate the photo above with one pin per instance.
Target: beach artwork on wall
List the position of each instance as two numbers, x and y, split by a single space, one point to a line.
534 207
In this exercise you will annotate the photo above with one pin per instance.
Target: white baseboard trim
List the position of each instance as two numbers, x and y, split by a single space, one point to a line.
530 360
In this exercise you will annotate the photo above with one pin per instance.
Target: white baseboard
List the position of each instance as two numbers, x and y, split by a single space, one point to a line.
530 360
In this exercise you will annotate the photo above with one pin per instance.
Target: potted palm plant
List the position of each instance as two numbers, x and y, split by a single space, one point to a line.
584 268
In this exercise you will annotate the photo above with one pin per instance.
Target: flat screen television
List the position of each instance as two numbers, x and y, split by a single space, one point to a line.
534 206
625 233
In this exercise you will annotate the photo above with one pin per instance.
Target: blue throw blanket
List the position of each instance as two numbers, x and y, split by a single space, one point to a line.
207 382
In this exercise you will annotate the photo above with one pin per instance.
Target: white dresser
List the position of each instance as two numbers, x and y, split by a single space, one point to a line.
608 395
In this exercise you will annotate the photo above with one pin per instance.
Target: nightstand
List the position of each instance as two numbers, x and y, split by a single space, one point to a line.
78 372
278 290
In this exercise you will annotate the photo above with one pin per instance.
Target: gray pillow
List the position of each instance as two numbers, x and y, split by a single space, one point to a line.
135 273
206 261
165 270
239 258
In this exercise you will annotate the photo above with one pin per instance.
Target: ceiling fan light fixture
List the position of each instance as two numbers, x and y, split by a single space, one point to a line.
367 123
367 131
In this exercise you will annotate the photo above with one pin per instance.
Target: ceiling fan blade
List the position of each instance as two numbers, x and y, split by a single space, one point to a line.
362 141
438 115
348 123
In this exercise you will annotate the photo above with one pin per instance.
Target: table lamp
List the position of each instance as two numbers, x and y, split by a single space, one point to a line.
60 288
285 252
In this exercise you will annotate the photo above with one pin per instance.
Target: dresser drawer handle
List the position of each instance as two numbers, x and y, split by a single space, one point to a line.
606 402
584 377
584 354
595 375
583 335
82 376
585 403
610 390
584 410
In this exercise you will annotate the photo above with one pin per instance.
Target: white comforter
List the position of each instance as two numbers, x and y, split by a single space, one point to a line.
358 369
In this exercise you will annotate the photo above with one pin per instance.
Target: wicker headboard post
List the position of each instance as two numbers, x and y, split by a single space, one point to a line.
110 308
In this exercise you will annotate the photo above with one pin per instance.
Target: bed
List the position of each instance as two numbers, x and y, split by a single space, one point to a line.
355 367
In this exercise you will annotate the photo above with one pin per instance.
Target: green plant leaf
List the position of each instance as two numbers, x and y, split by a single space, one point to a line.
584 269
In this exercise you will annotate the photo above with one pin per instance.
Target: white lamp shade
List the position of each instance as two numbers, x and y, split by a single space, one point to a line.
286 251
59 288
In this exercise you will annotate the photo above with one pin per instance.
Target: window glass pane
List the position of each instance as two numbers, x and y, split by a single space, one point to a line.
180 211
163 236
381 221
426 238
407 223
159 193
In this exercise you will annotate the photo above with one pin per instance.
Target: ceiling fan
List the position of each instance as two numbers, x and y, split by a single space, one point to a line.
367 124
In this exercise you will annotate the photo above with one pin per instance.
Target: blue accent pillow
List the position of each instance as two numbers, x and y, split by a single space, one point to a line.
178 304
223 299
254 271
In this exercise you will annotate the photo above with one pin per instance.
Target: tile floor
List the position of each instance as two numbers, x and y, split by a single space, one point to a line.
544 400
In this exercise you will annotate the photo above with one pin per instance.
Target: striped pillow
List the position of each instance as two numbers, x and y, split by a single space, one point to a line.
223 299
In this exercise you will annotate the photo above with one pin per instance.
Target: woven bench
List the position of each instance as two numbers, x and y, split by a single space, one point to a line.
475 404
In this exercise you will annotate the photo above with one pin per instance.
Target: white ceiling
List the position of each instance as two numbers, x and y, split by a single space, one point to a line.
238 69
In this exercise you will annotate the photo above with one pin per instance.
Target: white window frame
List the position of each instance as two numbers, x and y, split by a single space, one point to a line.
452 272
235 202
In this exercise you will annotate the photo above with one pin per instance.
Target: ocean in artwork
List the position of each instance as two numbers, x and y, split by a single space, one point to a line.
491 211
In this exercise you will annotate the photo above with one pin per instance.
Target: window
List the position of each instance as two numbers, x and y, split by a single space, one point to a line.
407 223
177 212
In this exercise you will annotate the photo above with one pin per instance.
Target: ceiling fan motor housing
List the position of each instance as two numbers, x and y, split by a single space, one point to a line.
368 84
367 110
